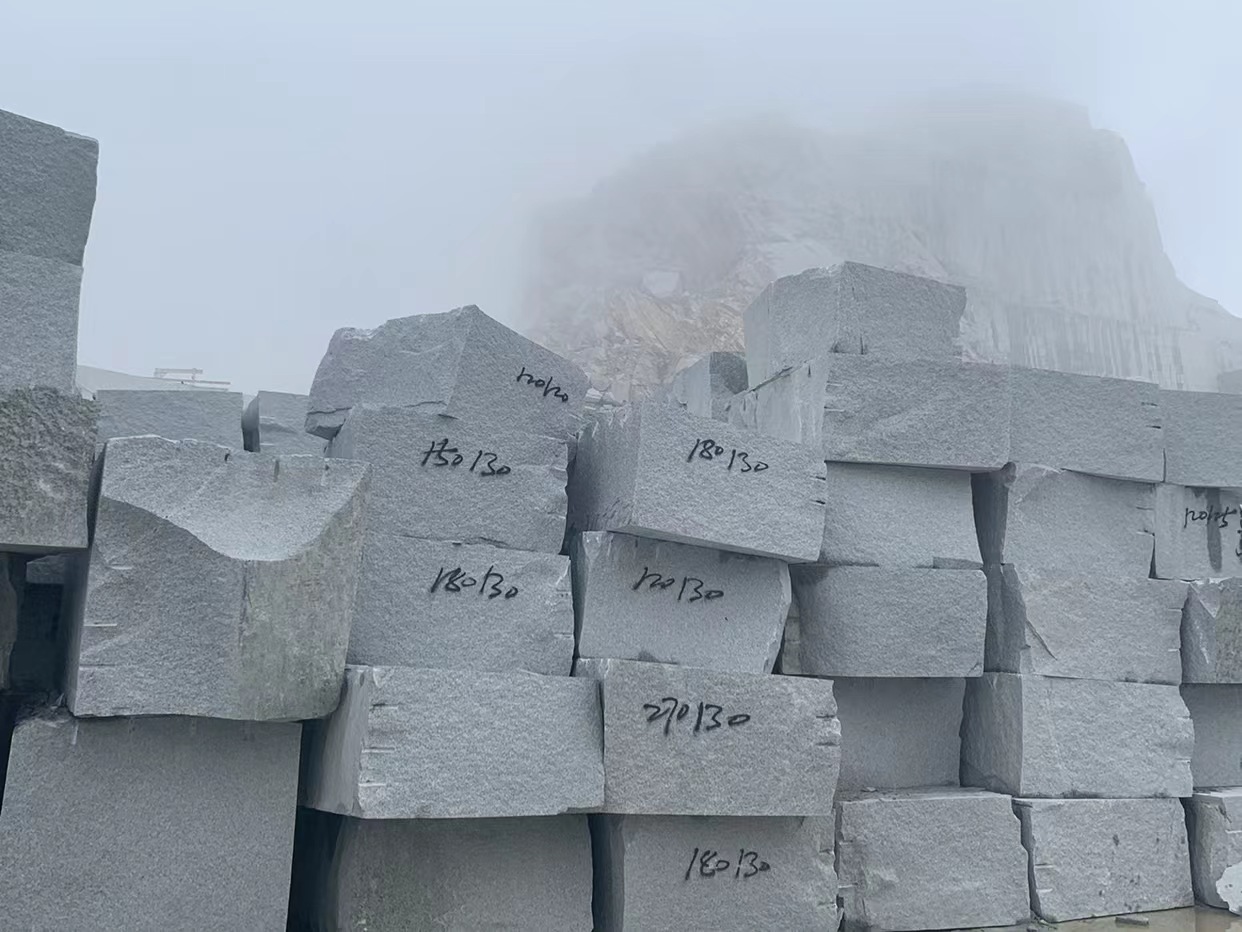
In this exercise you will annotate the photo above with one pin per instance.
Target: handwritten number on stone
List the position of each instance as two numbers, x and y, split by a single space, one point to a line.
708 449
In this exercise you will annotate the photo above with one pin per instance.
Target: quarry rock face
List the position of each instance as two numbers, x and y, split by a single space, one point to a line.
196 415
1212 819
1212 632
1198 532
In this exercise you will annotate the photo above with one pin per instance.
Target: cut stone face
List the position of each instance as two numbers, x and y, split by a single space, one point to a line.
133 825
394 875
36 665
1088 627
461 364
672 873
1212 632
1216 710
641 599
430 603
1214 821
655 471
487 486
214 417
275 422
898 733
1046 736
706 387
1198 532
1099 857
683 741
851 308
409 743
1054 520
881 621
930 859
1087 423
1200 445
220 583
39 319
47 445
897 516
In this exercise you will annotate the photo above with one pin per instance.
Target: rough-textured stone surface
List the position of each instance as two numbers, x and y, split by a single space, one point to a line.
881 621
220 583
1214 823
1198 532
214 417
763 745
430 603
39 319
1084 626
488 486
1212 632
1200 438
275 422
1098 857
641 599
460 364
148 824
10 609
898 733
706 386
398 875
850 308
47 445
1100 426
656 471
409 743
930 859
1045 736
873 409
728 874
1216 710
1054 520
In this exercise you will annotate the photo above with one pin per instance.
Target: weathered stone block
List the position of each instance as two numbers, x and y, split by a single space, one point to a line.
1099 857
683 741
461 364
430 603
1200 438
47 445
930 859
1212 632
147 824
409 743
1058 521
672 873
39 319
706 386
882 621
655 471
1198 532
1046 736
1084 626
1214 822
493 487
641 599
275 422
220 583
851 308
1216 710
214 417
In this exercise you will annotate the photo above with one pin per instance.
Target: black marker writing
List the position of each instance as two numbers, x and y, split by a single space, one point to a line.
690 590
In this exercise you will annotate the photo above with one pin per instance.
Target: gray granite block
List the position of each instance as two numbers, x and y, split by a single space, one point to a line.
883 621
431 603
1054 520
214 417
641 599
731 874
656 471
220 583
1084 626
1046 736
1216 710
47 571
47 445
11 587
898 733
397 875
36 665
684 741
706 386
275 422
930 859
39 319
1201 446
1214 823
409 743
461 364
1100 857
851 308
898 516
1212 632
47 189
1087 423
148 824
1198 532
496 487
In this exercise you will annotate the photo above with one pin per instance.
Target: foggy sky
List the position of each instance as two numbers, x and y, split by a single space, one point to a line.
272 170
